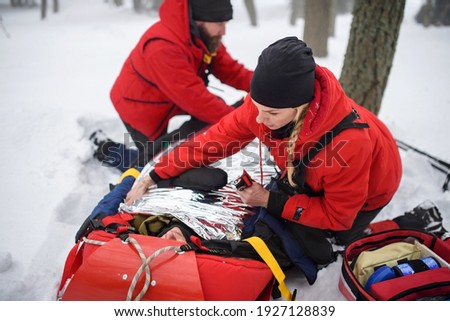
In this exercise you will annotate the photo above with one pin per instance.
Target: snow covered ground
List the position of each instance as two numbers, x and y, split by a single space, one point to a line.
54 91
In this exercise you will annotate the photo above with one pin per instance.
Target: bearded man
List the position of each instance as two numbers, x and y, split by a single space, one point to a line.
166 74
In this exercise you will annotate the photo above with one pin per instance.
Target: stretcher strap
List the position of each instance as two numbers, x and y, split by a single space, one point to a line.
260 246
130 172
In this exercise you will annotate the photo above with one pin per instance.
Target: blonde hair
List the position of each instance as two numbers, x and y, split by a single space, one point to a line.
299 120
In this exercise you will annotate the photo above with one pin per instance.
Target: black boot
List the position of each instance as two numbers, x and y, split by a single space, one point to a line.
425 216
102 146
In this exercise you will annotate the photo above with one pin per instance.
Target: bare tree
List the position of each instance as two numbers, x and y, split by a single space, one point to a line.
137 5
435 12
344 6
44 8
297 8
425 14
143 5
250 5
333 14
16 3
370 50
2 26
317 22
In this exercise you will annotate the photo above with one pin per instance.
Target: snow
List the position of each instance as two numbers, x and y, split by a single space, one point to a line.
55 80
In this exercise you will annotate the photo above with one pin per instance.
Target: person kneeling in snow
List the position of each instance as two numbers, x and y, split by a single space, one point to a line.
166 74
339 163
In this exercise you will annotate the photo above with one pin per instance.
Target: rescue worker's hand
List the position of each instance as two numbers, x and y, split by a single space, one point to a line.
255 195
138 190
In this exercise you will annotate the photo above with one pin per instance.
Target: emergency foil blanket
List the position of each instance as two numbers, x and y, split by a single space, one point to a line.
212 215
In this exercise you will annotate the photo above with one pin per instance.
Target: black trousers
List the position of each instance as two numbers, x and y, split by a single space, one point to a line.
148 149
316 242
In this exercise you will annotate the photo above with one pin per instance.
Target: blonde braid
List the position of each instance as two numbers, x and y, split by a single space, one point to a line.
299 119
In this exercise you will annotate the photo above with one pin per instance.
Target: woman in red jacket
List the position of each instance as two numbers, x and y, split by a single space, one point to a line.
166 74
340 164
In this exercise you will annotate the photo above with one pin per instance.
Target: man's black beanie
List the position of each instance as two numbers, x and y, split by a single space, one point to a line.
211 10
284 76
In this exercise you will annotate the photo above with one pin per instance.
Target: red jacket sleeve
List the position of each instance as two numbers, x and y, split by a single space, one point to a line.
345 189
176 77
230 72
225 138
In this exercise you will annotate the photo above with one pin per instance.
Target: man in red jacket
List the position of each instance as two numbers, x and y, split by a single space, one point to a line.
166 74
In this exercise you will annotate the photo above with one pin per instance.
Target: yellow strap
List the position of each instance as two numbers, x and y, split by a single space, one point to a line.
129 172
208 58
263 251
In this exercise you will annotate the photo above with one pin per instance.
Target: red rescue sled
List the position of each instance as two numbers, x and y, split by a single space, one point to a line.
106 272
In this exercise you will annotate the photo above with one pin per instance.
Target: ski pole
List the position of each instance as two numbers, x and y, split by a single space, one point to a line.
437 163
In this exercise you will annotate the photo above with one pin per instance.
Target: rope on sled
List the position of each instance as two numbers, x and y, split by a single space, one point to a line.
138 273
86 240
145 265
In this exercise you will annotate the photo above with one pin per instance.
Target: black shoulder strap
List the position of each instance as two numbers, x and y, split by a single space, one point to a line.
347 122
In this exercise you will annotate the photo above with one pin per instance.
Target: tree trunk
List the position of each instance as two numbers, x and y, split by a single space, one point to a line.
297 7
425 13
137 5
55 6
250 5
333 14
156 4
43 9
317 22
442 13
370 50
435 13
2 26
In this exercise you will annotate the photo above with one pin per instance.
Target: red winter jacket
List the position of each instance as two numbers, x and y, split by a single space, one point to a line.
164 76
359 170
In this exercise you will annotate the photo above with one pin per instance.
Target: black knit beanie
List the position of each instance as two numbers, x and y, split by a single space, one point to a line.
211 10
284 76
